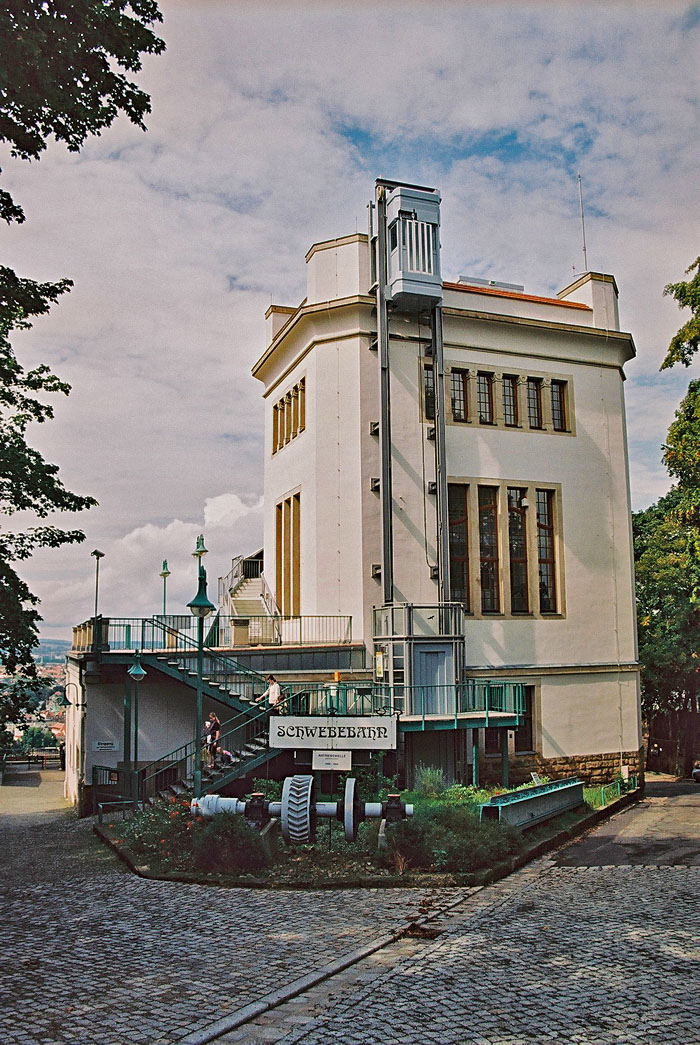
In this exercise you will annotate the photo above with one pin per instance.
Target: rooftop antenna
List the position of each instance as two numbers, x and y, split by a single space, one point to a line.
583 224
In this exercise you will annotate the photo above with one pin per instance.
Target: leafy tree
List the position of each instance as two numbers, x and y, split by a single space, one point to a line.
37 737
682 455
63 66
686 342
60 72
667 561
19 695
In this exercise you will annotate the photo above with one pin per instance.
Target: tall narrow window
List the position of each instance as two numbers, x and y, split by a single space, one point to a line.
517 549
458 394
295 411
428 392
302 404
288 417
510 400
559 419
484 395
534 402
275 428
545 551
287 546
459 544
488 549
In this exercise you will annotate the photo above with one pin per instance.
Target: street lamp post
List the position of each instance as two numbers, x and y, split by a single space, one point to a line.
96 638
97 556
164 573
200 607
138 674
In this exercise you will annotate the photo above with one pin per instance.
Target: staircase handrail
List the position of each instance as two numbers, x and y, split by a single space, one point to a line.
232 665
269 601
232 579
186 751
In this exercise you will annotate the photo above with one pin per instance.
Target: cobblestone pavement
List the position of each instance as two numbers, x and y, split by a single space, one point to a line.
565 951
569 950
93 955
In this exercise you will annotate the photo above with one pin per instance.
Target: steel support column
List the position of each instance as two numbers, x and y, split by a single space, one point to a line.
384 401
504 759
443 550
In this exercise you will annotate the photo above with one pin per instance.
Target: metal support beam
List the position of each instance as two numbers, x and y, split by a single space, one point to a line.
198 726
127 721
384 401
504 759
443 551
475 758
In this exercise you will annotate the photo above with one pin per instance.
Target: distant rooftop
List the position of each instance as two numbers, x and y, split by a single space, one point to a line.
473 281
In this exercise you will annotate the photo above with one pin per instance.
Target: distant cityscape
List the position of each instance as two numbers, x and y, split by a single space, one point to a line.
51 651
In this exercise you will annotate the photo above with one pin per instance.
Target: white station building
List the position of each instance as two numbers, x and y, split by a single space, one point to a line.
455 454
447 533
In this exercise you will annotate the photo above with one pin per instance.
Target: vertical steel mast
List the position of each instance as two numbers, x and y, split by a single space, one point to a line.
443 552
384 398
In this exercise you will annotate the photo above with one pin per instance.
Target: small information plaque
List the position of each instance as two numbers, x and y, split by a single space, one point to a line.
340 760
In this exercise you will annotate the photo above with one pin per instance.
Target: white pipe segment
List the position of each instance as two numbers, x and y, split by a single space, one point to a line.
210 805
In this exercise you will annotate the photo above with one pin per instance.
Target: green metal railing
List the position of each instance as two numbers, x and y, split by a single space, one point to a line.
175 631
111 784
599 797
473 696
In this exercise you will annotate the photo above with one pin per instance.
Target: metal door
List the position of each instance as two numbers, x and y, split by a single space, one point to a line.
432 678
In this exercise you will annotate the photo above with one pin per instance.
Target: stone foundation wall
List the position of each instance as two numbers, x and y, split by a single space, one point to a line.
594 770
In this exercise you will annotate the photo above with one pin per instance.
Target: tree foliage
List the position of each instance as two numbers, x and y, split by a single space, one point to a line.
667 563
682 456
28 483
63 66
686 342
63 75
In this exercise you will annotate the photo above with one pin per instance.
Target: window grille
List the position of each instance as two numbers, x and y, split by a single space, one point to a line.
510 400
418 239
458 394
488 549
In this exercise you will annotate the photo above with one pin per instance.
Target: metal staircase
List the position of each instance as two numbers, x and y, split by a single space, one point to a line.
223 678
242 748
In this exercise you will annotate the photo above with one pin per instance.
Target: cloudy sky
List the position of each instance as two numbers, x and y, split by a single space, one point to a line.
270 123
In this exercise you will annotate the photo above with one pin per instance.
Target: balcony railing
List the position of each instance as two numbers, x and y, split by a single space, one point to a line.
171 631
407 620
473 697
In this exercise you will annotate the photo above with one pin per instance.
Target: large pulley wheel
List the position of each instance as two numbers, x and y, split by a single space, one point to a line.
298 814
352 811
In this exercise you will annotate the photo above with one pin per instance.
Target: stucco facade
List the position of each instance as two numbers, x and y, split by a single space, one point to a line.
554 486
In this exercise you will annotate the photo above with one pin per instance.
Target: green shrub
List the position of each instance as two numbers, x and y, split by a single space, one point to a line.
446 836
430 781
271 789
370 782
169 836
227 843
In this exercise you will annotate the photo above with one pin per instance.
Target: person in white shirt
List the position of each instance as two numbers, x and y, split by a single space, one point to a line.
273 694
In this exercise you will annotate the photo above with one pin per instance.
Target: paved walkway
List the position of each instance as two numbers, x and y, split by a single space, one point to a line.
568 950
95 956
593 946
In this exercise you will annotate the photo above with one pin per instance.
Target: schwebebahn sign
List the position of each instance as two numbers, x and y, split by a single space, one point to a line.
341 732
